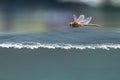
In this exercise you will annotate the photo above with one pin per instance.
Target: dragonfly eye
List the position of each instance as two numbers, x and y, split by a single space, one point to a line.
70 24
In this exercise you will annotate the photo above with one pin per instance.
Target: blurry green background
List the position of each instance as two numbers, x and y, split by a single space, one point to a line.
37 16
21 16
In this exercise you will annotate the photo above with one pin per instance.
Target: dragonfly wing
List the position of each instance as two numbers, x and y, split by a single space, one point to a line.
81 18
74 16
87 21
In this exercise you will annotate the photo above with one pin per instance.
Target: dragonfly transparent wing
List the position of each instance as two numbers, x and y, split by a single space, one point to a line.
81 18
87 21
75 18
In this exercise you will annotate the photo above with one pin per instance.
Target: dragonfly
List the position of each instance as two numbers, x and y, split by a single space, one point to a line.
81 21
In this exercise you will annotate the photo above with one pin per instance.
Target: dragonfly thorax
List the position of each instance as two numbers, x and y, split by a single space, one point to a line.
76 24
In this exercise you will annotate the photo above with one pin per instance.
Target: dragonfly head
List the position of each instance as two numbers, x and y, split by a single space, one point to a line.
71 24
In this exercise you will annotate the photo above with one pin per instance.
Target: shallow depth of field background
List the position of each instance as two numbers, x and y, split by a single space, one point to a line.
31 16
36 22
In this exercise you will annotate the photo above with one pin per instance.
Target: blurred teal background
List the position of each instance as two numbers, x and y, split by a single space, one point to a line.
31 16
37 22
59 64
